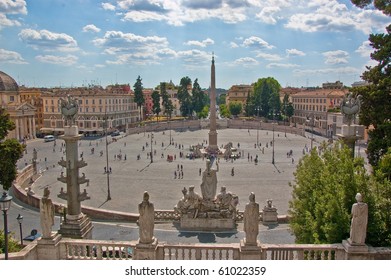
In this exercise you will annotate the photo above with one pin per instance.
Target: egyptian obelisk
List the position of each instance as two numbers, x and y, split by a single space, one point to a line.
213 148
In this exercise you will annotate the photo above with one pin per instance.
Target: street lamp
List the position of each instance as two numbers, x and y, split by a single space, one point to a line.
107 159
20 220
257 109
5 204
273 142
151 147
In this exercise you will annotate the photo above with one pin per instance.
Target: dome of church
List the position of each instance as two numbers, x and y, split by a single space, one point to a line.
7 83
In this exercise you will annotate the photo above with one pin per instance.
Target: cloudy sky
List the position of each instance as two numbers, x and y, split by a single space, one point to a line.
48 43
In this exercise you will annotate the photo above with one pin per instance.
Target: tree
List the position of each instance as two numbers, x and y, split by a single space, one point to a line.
10 151
324 192
224 112
266 96
156 103
184 97
249 108
376 101
165 97
287 107
13 245
138 94
221 99
204 113
235 108
200 99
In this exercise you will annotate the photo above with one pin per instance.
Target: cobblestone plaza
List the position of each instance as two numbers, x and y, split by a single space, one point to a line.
130 177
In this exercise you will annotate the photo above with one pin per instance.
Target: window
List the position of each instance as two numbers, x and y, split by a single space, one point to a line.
86 101
12 98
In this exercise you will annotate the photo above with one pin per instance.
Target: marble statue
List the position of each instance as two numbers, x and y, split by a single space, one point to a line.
358 227
209 182
47 214
69 109
350 107
251 221
183 204
193 199
146 220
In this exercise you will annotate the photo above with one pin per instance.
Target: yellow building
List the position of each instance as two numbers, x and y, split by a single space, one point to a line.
21 112
33 97
95 106
314 105
238 93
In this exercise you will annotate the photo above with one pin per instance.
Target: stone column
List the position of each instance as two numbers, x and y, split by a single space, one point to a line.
213 148
22 133
17 135
76 225
34 128
30 127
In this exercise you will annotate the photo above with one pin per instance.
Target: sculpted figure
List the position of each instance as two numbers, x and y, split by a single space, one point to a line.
47 214
209 182
193 199
183 204
223 199
251 221
358 227
146 220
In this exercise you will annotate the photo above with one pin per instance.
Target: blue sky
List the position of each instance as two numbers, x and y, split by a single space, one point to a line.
48 43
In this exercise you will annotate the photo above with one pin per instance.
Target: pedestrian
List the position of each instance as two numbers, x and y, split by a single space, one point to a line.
199 172
293 160
175 174
110 169
182 174
177 167
181 167
125 157
105 169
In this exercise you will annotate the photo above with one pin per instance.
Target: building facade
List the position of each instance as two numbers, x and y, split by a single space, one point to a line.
21 112
96 107
238 93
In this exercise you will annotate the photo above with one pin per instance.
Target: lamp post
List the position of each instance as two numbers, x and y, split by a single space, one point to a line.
273 142
20 220
151 147
5 204
107 160
257 109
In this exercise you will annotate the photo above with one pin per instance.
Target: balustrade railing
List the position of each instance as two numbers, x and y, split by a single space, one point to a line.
302 252
99 250
201 252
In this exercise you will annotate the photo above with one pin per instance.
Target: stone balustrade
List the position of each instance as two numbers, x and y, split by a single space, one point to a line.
201 252
97 249
303 252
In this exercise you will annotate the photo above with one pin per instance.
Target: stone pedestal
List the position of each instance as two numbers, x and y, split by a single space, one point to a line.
357 251
250 252
146 251
79 227
350 134
207 224
269 216
48 248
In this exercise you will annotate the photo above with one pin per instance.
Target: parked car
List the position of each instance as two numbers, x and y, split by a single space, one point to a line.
49 138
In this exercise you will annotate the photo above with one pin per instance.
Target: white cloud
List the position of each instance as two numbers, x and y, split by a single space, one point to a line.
91 28
233 45
201 44
267 15
11 7
257 42
11 57
108 6
365 49
194 57
328 71
294 52
129 48
58 60
48 41
282 65
268 56
336 57
331 15
246 61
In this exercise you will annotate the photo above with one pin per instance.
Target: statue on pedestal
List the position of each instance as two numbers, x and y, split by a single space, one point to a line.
358 227
251 221
47 214
146 220
350 107
209 182
69 109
